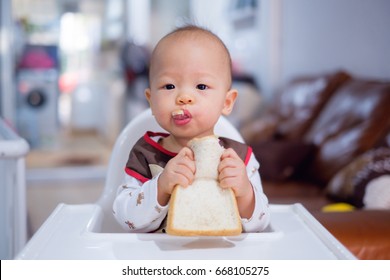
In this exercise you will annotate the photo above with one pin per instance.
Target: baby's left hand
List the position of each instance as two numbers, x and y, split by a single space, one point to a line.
232 174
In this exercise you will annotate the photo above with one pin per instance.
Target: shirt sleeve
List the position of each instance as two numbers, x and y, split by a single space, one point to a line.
136 207
261 215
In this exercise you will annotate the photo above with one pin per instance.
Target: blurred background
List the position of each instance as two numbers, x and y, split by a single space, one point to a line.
73 72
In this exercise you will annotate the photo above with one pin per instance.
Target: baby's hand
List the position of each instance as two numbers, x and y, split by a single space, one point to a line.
180 170
232 173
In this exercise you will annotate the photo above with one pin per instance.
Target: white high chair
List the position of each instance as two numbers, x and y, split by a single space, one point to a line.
89 231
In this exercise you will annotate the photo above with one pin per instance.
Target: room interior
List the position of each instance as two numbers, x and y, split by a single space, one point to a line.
314 92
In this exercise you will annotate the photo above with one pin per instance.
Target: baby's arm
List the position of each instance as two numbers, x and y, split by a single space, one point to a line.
136 207
261 214
142 207
246 184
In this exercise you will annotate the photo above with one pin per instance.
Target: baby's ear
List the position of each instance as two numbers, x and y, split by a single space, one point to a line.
147 95
231 96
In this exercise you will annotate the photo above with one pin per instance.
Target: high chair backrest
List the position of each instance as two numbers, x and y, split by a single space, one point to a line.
134 130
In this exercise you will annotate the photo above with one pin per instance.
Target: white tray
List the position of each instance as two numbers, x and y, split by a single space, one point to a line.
72 232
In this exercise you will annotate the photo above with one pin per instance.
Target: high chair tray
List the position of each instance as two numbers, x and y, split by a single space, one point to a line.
72 232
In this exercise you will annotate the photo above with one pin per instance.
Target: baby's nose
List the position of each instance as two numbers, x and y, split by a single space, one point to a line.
185 99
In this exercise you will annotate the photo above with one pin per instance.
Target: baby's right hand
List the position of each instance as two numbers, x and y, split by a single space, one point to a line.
180 170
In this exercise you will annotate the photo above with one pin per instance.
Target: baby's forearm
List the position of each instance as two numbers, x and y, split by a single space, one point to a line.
162 197
246 204
260 217
136 207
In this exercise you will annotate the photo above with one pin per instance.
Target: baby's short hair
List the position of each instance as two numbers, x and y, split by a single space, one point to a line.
194 30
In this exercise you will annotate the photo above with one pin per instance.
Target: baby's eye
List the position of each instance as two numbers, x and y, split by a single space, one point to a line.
169 87
201 87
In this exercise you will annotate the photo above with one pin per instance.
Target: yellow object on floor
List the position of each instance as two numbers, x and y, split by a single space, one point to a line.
338 207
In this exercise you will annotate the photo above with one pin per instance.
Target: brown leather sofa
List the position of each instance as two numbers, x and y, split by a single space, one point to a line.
314 142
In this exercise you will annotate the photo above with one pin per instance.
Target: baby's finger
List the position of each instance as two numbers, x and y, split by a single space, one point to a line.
186 172
182 181
229 153
227 163
226 183
186 152
186 159
231 163
228 174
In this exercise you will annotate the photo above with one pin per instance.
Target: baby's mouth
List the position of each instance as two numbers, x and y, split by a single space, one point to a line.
181 116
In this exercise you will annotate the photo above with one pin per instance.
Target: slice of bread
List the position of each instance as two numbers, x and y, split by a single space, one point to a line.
204 208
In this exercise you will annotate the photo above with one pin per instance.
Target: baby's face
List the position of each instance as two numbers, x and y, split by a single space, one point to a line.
190 85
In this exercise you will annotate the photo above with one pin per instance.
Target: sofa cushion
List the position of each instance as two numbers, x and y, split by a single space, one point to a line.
294 108
281 159
300 102
353 121
360 182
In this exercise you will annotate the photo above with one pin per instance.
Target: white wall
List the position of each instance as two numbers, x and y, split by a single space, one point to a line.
165 16
212 15
321 36
270 60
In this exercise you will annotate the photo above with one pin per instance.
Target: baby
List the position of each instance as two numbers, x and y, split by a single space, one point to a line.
190 88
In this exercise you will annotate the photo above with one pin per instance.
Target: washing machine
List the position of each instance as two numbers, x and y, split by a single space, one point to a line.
37 106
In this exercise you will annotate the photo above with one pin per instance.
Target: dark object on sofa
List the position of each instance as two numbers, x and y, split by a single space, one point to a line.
360 182
314 129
